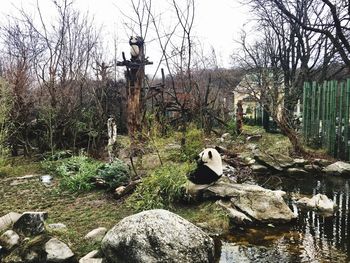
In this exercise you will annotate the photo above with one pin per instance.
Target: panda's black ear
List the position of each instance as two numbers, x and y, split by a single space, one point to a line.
210 155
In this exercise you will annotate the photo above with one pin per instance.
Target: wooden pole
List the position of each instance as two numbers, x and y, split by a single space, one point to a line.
324 108
340 145
304 110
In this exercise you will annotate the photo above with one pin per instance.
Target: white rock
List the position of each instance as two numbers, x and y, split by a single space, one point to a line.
8 220
338 168
299 161
96 234
9 239
318 202
57 251
90 255
91 260
225 135
57 226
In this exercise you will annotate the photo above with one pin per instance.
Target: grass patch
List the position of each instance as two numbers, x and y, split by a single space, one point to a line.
18 166
162 188
208 215
80 213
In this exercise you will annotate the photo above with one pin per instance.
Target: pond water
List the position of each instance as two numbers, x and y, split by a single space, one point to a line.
311 238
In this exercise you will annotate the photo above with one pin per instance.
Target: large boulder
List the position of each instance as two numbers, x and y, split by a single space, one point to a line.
259 204
338 168
157 236
30 223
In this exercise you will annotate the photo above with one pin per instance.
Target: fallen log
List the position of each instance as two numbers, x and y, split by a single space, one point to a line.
124 190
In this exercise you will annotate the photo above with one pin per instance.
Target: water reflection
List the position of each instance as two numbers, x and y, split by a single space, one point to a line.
312 238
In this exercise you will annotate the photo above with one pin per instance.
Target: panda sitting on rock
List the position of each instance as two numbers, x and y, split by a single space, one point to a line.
209 167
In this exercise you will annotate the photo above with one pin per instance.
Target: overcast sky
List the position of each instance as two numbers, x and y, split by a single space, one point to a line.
217 22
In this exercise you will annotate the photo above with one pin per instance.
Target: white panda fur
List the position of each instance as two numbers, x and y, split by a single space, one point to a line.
209 167
134 48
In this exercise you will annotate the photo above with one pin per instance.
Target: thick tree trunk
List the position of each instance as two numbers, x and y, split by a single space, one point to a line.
239 117
292 136
133 106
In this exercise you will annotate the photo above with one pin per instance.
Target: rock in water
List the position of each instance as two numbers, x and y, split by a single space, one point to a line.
157 236
260 204
30 223
319 202
57 251
338 168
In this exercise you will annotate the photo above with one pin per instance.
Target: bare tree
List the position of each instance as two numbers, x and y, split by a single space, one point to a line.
328 18
290 54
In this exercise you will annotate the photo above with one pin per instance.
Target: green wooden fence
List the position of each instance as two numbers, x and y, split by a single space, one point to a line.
326 116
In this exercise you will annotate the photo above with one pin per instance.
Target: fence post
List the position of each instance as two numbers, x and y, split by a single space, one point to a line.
340 145
329 103
346 121
324 107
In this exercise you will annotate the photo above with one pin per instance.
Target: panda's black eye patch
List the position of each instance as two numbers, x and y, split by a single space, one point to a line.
210 155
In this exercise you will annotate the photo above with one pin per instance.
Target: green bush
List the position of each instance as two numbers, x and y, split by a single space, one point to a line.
162 188
114 174
77 173
232 127
193 146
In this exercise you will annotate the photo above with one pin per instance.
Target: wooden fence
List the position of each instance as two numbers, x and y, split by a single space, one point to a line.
326 116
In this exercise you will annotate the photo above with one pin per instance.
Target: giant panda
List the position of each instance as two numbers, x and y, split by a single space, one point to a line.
209 167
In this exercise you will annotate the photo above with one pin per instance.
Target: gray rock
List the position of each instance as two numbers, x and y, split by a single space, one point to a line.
319 202
235 216
254 138
57 251
91 255
258 168
9 239
32 256
57 226
312 168
96 234
157 236
338 168
262 205
296 171
229 170
225 135
299 162
8 220
322 162
91 260
268 161
30 223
